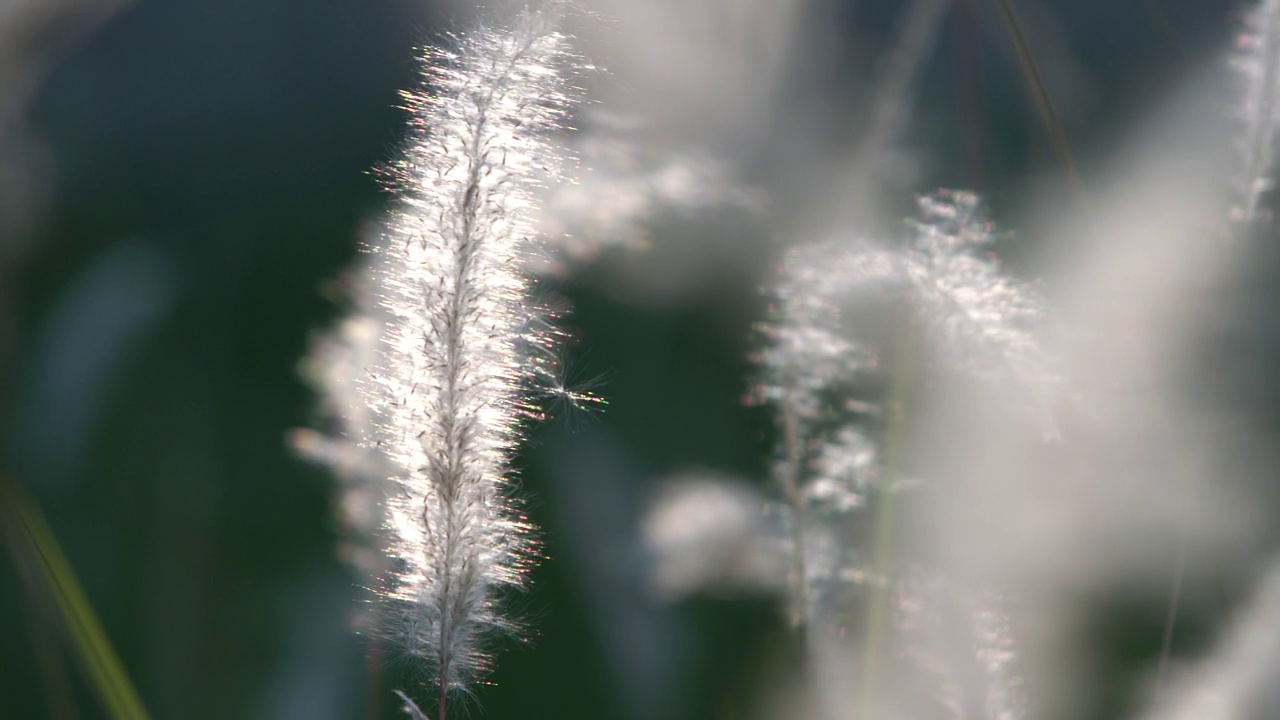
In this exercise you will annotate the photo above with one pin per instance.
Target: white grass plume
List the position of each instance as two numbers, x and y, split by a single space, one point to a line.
841 307
464 342
834 300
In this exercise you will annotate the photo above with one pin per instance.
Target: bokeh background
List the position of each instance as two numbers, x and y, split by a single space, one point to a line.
184 186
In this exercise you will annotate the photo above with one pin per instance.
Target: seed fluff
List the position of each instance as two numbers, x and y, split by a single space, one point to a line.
465 344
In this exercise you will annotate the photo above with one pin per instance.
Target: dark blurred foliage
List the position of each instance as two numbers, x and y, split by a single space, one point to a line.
209 184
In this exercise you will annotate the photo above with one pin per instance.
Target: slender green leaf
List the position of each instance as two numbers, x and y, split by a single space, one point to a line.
34 545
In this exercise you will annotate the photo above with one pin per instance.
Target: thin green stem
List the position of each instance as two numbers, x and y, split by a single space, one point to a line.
32 541
1040 93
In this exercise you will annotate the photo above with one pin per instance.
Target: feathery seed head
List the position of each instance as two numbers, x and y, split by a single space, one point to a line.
464 340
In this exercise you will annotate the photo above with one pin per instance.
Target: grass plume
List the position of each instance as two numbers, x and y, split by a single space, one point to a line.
463 344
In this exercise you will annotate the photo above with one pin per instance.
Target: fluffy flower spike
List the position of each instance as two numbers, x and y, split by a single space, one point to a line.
464 343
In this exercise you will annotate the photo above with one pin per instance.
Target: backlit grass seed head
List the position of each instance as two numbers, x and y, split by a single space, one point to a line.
846 316
464 341
838 304
981 321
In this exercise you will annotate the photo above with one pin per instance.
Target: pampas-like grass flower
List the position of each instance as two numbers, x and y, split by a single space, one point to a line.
464 343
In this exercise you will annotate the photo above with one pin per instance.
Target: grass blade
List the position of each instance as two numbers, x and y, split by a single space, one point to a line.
34 547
